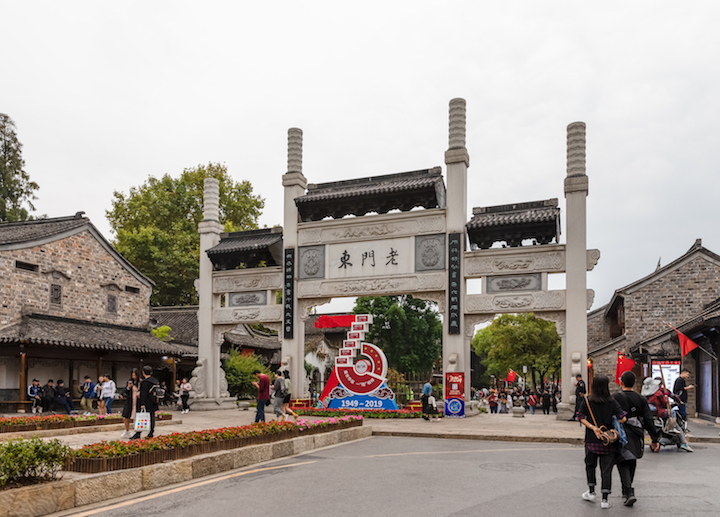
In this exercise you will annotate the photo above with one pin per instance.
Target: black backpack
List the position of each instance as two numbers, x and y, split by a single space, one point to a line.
157 393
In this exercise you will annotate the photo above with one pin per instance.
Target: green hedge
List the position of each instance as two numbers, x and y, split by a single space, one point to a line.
29 461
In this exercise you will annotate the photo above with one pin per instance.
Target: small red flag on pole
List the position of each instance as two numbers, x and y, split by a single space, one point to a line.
511 376
687 345
624 364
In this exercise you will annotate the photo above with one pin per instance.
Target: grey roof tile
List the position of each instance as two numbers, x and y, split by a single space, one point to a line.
26 231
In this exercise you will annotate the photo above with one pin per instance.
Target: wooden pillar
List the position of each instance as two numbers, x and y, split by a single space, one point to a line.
23 381
174 374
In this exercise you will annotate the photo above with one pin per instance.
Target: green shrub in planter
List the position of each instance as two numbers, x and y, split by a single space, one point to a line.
28 461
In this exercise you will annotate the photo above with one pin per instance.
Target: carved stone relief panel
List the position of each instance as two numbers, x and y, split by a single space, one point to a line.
592 259
219 333
439 297
245 280
477 303
248 315
249 298
430 252
475 319
556 316
504 284
372 286
520 262
312 262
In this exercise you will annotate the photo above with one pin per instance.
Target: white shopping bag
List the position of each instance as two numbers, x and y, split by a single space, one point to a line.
142 421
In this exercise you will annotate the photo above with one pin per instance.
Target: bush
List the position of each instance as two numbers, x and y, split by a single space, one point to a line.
239 373
29 461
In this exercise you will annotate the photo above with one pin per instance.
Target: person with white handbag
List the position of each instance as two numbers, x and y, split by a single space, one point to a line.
145 417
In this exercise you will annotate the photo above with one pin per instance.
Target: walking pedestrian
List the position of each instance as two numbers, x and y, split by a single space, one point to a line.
288 392
424 395
132 389
278 396
147 399
184 392
503 401
639 417
532 401
492 399
87 395
263 397
108 393
102 410
680 389
545 402
596 414
580 391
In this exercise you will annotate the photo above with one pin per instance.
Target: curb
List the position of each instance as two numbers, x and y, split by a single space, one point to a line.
490 438
49 433
703 439
86 489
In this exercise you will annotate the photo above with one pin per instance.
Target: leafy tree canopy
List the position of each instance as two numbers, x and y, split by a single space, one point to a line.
156 226
407 329
16 189
239 373
517 340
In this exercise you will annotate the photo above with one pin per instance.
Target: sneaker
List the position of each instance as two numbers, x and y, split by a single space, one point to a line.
604 504
589 496
124 434
629 500
685 447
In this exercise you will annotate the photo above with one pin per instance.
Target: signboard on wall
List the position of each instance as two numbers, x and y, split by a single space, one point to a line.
670 371
455 394
288 293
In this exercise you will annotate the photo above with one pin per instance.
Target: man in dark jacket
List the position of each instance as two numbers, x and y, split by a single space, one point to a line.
638 417
580 391
146 399
48 396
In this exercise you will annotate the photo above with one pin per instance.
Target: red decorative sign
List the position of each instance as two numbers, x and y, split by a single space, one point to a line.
455 385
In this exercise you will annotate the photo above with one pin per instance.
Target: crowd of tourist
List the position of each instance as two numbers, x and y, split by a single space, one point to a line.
503 399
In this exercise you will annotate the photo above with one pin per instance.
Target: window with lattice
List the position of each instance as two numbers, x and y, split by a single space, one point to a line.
112 304
55 294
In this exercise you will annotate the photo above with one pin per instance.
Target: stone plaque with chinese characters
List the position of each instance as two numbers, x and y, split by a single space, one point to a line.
454 280
244 299
288 293
512 283
382 257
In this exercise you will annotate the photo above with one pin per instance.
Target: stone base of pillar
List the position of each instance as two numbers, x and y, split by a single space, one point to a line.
207 404
565 411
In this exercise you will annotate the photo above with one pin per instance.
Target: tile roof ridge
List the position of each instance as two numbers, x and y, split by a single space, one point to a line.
100 324
79 216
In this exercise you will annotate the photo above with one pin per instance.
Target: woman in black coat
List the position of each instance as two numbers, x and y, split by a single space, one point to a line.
597 411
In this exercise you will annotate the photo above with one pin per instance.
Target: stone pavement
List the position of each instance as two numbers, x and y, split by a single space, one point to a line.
498 427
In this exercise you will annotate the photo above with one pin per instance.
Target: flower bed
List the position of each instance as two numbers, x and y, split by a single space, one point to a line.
367 413
18 424
117 455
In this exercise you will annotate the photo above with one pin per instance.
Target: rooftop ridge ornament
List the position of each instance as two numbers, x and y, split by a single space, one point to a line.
576 149
294 158
211 199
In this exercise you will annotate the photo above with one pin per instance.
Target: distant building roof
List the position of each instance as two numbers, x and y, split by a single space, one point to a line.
403 191
46 330
539 220
182 321
248 249
27 234
244 336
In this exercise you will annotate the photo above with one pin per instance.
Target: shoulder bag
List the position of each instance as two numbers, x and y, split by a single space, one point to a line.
607 436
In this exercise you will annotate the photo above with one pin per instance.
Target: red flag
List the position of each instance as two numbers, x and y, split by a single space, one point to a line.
511 376
624 364
687 345
325 321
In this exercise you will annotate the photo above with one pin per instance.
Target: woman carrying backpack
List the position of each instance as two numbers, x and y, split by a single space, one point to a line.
286 400
596 413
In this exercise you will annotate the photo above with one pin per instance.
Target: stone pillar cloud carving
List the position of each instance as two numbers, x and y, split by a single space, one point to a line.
294 159
576 149
457 124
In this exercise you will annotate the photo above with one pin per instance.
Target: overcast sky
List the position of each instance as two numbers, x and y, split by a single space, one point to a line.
105 95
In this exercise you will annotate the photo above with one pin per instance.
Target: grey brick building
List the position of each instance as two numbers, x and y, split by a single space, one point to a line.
685 293
70 306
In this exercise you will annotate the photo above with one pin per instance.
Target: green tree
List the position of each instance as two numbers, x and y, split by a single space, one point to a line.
407 329
16 189
155 226
517 340
239 373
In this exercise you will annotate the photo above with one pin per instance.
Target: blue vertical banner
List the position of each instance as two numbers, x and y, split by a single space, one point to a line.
454 279
288 292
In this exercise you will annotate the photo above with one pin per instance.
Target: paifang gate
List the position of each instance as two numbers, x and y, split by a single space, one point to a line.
320 254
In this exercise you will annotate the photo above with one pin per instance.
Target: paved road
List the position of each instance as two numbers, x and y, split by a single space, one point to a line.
393 476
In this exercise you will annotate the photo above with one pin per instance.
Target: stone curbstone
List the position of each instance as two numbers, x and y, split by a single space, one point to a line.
163 474
39 500
212 463
107 485
34 501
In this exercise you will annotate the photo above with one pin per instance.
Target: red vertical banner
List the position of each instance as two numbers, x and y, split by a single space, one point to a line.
455 394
